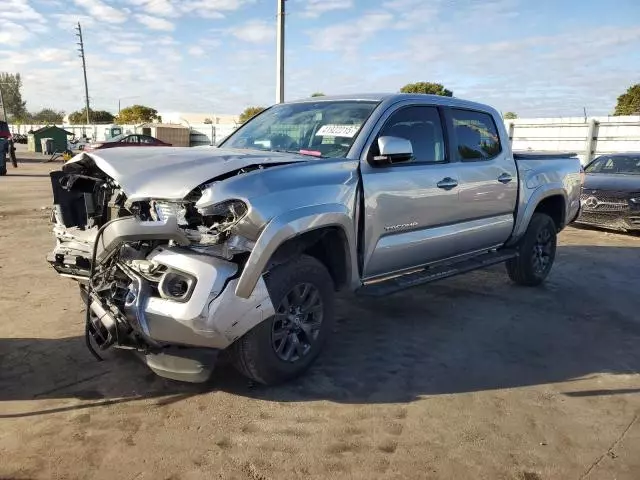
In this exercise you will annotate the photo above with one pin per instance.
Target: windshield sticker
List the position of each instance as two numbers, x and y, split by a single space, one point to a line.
338 130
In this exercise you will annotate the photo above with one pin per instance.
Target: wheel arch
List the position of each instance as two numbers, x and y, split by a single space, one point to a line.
550 201
325 232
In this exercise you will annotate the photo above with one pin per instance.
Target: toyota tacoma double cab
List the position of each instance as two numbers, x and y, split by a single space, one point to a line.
181 253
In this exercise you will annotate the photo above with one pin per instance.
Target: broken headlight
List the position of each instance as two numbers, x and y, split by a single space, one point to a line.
230 209
207 225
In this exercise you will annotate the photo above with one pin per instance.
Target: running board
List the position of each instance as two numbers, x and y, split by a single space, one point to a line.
428 275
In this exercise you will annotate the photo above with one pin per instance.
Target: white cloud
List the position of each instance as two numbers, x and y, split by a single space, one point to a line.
166 40
156 7
196 51
125 48
69 22
20 10
102 12
254 31
13 34
212 9
315 8
346 37
155 23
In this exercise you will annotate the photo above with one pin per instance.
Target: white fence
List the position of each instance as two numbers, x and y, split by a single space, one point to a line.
201 134
588 137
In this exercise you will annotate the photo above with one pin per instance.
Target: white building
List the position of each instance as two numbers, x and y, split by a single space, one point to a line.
188 118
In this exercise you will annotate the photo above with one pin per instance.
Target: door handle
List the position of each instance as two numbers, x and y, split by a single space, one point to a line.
505 178
447 183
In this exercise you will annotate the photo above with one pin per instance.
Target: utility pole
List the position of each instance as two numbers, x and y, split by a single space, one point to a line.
280 54
84 70
4 109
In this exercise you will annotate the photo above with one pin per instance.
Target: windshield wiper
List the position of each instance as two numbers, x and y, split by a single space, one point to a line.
307 153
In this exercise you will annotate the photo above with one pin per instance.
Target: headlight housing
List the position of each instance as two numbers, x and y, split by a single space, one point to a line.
206 225
233 208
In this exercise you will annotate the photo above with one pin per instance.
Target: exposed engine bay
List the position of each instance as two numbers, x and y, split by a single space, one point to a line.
140 263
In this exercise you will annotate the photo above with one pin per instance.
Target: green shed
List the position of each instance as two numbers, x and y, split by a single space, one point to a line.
59 136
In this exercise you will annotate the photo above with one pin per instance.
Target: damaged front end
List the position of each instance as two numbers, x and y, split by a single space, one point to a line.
158 276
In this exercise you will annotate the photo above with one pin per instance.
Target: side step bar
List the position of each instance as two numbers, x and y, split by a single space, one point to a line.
428 275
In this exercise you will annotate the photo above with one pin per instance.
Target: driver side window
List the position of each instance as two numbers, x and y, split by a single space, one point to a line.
422 127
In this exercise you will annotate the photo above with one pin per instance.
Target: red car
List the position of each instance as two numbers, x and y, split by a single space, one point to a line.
133 140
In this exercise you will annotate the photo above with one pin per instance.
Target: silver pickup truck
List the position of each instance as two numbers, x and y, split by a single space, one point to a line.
181 253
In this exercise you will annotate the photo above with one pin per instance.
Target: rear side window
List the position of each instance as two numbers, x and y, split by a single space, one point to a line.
422 127
476 135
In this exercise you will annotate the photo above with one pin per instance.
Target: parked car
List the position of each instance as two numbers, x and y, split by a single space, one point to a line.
611 193
133 140
20 138
181 253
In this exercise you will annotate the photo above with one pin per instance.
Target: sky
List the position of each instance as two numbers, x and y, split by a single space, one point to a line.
537 58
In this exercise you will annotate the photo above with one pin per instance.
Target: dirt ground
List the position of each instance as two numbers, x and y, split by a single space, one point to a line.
471 377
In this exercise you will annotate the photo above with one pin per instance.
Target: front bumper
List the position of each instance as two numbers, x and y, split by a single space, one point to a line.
212 317
175 337
620 221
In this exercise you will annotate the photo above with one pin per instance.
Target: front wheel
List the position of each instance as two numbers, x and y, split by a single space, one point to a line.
536 252
285 345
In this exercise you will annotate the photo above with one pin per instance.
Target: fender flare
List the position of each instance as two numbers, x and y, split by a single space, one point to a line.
289 225
541 193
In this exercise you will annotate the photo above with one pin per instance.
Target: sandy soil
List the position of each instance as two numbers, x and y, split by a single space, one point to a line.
471 377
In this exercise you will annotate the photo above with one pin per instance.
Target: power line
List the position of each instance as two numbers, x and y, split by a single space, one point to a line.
84 70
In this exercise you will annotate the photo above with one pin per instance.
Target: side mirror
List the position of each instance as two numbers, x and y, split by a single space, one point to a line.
393 150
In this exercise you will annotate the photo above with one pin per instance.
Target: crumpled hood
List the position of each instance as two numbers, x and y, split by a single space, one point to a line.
172 172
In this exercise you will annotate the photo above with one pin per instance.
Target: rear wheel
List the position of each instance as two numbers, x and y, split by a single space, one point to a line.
285 345
536 252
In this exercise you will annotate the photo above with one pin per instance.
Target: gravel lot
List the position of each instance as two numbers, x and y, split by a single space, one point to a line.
471 377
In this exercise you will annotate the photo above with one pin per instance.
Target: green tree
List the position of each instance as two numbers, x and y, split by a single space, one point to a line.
629 102
427 87
10 84
208 121
510 116
47 115
95 116
137 114
317 94
249 113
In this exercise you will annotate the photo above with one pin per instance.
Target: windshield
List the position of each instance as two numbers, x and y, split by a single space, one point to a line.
620 164
321 129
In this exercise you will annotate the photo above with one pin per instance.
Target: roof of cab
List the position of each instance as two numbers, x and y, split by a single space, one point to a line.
390 98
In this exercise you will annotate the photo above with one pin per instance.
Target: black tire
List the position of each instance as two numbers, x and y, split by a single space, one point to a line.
255 354
536 252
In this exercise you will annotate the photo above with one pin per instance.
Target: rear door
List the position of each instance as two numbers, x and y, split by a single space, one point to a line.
487 174
410 208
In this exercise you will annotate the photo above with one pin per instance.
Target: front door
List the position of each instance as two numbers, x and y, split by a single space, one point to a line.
410 209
